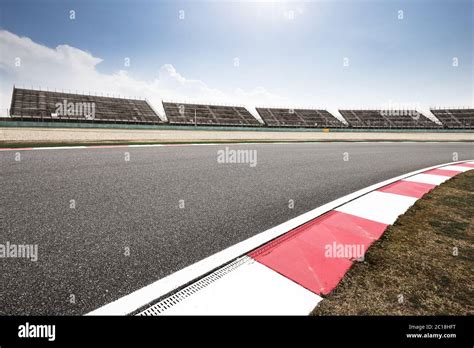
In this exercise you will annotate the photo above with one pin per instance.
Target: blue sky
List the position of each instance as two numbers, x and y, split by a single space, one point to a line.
291 52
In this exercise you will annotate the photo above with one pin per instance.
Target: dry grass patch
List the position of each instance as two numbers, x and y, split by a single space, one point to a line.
422 265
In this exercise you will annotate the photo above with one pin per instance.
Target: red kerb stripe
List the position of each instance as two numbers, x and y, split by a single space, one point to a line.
310 254
408 188
443 172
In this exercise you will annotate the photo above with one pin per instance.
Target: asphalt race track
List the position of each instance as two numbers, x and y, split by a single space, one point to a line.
134 206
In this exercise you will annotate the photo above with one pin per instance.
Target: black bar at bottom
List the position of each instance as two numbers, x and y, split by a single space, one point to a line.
427 330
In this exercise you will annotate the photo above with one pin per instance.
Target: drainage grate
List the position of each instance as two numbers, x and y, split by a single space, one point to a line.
170 301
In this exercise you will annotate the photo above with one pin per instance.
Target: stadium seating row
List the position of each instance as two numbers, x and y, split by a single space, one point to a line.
209 115
455 118
305 118
387 119
59 106
28 104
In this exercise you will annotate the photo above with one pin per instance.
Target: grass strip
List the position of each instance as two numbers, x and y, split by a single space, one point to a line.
422 265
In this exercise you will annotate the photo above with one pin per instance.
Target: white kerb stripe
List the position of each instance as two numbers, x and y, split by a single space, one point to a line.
250 289
457 168
428 178
378 206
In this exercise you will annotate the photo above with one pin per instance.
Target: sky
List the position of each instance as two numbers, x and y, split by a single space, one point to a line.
324 54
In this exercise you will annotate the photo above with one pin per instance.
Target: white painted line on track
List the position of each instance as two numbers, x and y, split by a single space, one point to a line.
379 206
249 289
141 297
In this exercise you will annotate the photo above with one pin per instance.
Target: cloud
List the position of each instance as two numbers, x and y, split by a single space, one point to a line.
26 63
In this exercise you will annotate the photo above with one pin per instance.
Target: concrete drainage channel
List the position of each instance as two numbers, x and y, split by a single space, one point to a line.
169 302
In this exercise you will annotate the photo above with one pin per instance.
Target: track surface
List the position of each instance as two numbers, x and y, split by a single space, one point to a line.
135 204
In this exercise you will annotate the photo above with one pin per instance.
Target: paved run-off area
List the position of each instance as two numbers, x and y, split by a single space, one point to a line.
106 226
45 135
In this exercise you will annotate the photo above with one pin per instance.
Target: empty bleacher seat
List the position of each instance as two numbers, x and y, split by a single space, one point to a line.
305 118
385 119
61 106
455 118
208 115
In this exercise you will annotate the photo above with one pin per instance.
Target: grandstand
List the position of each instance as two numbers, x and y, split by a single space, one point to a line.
455 118
305 118
385 119
208 115
29 104
38 105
